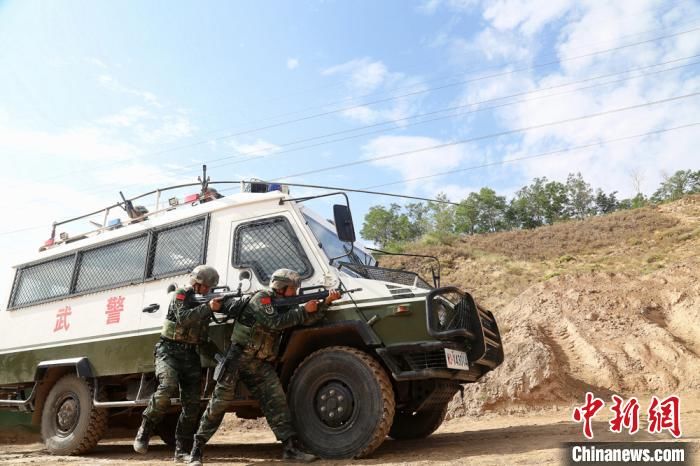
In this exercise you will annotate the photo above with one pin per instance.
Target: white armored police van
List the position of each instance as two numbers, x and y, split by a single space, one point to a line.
85 312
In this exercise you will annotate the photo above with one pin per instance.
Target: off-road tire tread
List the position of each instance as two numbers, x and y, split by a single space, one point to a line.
385 386
97 424
97 427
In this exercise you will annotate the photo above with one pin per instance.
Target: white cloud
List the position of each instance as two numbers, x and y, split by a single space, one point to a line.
39 214
527 16
137 174
362 113
364 74
257 148
497 44
418 164
168 128
111 83
127 118
292 63
149 127
97 62
615 24
430 6
81 143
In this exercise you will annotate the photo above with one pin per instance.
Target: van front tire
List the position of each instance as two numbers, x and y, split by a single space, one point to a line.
70 424
342 402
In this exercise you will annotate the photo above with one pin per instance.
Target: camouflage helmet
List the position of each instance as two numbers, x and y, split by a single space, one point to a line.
282 278
204 275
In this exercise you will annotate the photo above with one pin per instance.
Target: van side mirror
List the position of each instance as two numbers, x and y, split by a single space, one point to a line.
343 223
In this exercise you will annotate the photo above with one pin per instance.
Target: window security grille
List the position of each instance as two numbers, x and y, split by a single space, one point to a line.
268 245
113 264
43 281
178 249
388 275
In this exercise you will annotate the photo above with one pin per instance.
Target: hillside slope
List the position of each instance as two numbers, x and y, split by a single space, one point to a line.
610 304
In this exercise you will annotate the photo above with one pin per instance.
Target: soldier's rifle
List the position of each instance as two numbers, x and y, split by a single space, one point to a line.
305 295
225 294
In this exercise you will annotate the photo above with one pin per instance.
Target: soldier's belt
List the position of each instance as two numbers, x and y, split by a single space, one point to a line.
179 344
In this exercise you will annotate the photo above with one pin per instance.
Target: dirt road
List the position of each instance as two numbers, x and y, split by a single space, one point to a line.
533 438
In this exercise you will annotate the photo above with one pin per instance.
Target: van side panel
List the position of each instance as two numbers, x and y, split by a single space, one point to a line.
130 354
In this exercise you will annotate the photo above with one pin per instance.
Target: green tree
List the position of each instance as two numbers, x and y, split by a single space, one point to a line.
523 210
443 215
389 226
420 217
481 212
542 202
677 185
378 225
606 203
467 215
554 202
580 196
492 211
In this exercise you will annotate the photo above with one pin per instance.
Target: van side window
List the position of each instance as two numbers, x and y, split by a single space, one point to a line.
43 281
159 253
114 264
179 249
267 245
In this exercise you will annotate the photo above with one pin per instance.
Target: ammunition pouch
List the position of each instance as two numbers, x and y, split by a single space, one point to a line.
257 341
193 335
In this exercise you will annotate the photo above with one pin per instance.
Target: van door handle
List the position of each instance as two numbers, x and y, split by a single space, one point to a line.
151 308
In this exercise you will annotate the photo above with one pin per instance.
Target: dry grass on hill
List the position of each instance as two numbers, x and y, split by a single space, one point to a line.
497 267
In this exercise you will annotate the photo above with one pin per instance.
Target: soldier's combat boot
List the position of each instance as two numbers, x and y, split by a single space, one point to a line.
182 454
292 452
142 437
196 455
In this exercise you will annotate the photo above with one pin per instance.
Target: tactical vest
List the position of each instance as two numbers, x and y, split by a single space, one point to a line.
257 341
194 333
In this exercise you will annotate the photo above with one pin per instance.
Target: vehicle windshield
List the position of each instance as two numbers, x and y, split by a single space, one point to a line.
329 242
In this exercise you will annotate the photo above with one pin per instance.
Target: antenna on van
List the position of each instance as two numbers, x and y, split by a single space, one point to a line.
204 179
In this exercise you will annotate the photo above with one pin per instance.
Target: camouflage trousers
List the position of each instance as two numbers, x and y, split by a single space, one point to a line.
177 367
262 381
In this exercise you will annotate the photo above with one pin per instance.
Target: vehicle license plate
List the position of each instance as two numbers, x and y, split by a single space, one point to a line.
456 359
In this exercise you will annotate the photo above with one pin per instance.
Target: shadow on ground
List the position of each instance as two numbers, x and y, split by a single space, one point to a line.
442 447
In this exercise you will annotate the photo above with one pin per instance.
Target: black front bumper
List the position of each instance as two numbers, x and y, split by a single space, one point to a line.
455 321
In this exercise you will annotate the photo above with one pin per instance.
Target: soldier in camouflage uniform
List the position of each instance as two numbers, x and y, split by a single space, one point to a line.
254 350
177 361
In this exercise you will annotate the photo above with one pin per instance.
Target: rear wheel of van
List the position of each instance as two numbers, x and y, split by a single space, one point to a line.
342 402
408 425
70 424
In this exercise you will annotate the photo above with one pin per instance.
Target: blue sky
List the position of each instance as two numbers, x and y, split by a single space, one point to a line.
97 97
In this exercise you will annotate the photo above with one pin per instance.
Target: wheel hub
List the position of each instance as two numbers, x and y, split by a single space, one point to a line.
334 404
67 414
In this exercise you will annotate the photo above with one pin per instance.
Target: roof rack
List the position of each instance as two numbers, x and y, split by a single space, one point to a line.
138 214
